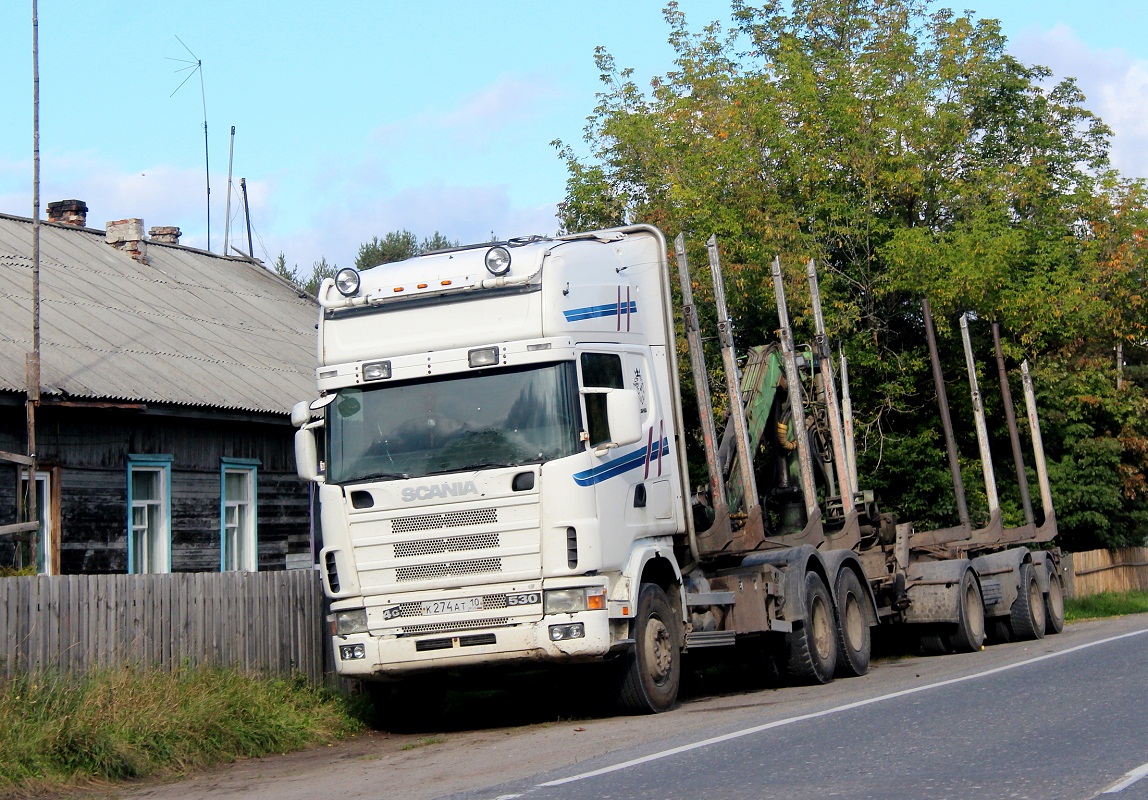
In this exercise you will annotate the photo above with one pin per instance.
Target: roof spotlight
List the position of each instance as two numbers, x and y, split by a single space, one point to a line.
347 281
498 261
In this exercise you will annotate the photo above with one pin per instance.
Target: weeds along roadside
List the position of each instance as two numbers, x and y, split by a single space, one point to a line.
124 724
1106 604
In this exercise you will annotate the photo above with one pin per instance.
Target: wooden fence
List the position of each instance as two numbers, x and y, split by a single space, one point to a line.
259 622
1120 570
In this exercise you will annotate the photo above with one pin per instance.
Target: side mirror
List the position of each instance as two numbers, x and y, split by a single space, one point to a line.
624 415
306 453
300 413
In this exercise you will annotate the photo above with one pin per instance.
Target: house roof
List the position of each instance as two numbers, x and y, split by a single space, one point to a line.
188 328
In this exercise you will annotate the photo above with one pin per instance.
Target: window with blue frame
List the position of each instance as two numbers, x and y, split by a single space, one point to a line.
238 515
149 513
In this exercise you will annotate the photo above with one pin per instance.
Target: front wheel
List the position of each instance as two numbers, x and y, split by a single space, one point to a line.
652 670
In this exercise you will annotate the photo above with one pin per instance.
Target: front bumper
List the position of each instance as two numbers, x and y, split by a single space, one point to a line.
399 656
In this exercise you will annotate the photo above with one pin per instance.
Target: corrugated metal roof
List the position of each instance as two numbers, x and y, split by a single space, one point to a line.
187 328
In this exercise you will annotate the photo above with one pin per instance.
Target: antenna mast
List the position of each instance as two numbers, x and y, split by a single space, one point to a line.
196 65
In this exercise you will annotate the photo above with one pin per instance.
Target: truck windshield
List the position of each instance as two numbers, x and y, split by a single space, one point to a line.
455 423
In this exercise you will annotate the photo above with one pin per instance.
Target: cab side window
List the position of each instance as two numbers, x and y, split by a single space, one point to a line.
599 370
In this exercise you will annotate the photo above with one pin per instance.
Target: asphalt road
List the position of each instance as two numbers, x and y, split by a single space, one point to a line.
1063 717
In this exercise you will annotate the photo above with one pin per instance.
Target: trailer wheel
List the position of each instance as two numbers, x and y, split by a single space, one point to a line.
652 670
970 633
935 642
1026 618
812 647
854 643
1054 603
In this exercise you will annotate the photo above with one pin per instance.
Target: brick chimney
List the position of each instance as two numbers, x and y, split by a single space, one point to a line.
167 234
128 235
69 212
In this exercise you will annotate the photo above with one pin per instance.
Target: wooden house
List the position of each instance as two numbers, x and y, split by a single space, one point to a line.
167 376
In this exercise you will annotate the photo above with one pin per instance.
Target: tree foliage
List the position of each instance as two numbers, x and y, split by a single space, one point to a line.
398 246
909 154
394 246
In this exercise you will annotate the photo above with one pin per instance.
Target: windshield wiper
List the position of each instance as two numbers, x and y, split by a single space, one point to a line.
474 466
379 476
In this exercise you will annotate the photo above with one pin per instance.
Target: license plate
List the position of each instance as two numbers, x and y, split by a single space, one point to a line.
452 606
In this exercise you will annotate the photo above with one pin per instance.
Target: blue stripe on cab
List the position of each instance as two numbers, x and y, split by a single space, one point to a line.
591 312
620 466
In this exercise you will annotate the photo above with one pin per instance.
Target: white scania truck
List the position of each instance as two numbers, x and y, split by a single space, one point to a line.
501 465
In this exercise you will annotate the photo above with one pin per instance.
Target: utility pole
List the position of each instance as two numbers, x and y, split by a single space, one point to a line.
33 359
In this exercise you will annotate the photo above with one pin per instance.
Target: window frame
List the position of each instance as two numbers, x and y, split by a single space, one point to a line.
250 468
161 464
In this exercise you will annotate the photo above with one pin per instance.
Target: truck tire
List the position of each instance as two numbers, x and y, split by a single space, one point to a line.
969 635
1054 603
935 642
651 671
1026 617
854 644
812 647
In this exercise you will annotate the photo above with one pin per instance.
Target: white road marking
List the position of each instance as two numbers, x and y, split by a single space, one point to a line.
838 709
1129 779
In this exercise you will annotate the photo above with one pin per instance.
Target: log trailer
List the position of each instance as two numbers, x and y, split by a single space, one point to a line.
500 456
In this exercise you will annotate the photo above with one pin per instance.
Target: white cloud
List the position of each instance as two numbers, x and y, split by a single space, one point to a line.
1115 84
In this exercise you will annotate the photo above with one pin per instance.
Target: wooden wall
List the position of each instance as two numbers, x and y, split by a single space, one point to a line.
90 447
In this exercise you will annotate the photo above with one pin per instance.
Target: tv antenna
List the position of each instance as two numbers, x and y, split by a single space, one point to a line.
196 65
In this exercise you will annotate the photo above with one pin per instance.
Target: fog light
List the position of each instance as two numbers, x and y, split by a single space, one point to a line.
559 633
351 652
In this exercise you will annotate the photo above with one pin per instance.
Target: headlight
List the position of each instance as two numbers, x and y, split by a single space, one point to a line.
351 621
568 601
498 261
347 281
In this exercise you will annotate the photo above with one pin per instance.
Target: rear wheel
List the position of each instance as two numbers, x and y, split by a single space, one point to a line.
935 643
1054 602
812 647
1026 618
652 670
970 633
854 644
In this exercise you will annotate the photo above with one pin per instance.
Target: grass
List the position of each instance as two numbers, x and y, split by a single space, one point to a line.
424 742
1107 604
67 731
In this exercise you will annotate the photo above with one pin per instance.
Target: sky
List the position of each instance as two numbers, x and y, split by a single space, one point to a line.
355 119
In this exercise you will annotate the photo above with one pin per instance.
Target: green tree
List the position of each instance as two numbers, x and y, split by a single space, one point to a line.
909 154
398 246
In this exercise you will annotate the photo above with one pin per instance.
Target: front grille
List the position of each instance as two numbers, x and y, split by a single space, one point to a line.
460 625
451 544
451 519
472 566
463 641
